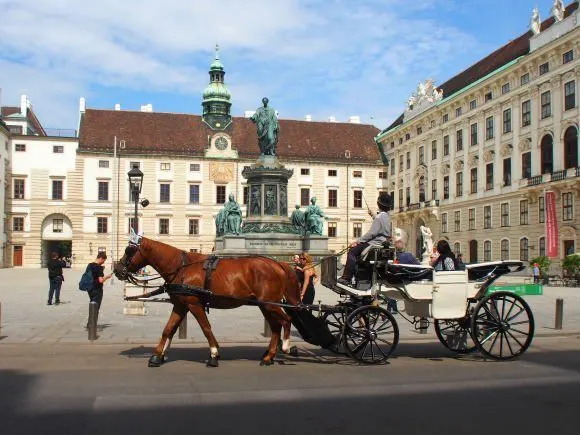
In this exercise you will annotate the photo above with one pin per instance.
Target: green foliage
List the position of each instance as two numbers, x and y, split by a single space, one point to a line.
543 263
571 264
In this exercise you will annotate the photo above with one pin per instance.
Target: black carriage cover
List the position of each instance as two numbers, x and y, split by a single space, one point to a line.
312 329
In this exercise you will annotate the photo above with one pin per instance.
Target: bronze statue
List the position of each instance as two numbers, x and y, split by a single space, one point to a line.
268 128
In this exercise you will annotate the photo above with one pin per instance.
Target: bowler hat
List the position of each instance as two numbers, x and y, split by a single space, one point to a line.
384 200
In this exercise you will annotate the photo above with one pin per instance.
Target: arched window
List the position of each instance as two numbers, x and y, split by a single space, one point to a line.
487 250
547 154
542 246
505 249
524 251
571 147
422 189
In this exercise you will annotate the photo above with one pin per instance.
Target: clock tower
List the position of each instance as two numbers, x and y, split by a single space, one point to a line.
216 97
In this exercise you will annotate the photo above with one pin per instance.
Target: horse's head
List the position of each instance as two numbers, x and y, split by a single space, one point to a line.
133 259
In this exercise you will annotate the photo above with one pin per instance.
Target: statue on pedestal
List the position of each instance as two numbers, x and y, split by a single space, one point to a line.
535 22
558 10
229 218
298 219
313 218
268 128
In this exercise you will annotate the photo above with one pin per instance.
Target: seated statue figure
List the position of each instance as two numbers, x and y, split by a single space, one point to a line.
314 218
229 218
297 219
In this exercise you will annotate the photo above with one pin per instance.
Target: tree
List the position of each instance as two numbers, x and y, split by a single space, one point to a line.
543 263
571 264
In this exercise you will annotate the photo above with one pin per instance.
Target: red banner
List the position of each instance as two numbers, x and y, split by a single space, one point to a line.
551 225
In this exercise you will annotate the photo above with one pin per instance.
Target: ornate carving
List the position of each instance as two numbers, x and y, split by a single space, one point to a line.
281 228
426 93
524 145
221 172
506 150
420 171
488 156
473 160
459 165
445 169
535 21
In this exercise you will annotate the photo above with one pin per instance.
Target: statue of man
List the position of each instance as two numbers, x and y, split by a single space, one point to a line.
267 128
314 216
233 216
297 218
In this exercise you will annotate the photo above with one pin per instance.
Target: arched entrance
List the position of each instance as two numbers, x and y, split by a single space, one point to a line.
56 236
571 147
547 154
473 251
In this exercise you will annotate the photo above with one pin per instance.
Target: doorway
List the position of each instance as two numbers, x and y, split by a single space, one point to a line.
17 256
473 251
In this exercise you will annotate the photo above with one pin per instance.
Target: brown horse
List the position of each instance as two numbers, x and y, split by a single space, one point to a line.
234 282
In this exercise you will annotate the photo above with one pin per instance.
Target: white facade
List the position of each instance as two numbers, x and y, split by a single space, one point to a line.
4 191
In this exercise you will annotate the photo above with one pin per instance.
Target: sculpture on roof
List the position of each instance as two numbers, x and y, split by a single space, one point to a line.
535 22
425 93
558 10
267 128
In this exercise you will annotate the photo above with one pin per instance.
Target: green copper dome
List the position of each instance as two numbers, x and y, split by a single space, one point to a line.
216 97
217 91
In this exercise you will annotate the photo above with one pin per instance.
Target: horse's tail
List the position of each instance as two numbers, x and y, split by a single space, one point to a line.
292 286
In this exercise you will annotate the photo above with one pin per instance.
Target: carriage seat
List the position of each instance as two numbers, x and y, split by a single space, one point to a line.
403 273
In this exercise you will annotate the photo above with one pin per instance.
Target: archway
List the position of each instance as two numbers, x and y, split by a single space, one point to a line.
56 236
547 154
571 147
473 251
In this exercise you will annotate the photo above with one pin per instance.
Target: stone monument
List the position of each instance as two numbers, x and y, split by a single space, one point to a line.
427 236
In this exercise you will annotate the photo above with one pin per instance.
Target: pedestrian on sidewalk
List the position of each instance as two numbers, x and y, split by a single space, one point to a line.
99 278
536 272
55 278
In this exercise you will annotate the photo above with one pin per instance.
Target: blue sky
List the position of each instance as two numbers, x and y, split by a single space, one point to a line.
324 58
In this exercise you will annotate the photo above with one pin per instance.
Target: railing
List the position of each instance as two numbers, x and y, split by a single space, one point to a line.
61 132
559 175
419 205
535 180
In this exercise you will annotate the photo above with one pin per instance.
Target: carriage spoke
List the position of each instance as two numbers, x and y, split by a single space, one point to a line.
386 326
520 332
508 343
494 341
382 340
510 310
488 337
516 314
515 338
489 313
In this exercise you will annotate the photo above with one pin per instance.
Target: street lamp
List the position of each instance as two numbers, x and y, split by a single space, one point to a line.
136 184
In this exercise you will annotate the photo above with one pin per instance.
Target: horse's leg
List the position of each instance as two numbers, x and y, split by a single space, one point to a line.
286 326
274 319
199 313
177 315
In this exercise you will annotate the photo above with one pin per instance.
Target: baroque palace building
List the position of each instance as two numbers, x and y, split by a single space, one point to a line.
473 158
70 192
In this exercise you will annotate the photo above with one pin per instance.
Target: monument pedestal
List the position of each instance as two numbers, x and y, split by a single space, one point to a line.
271 245
134 308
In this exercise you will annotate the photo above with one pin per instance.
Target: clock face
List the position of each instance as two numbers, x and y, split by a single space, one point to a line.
221 143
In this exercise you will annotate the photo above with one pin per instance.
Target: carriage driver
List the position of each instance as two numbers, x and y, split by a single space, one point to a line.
379 232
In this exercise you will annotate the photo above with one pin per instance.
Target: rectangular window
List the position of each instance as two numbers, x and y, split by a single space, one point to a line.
165 166
103 163
458 112
134 165
407 196
568 56
332 172
487 250
102 224
20 147
569 95
524 249
18 185
541 210
393 167
434 189
331 229
472 218
569 247
194 167
459 184
383 175
546 104
445 118
446 187
133 225
304 171
567 206
542 247
164 192
58 149
507 171
505 249
419 130
488 97
408 160
489 128
457 221
446 145
487 217
421 155
472 104
401 163
505 214
246 194
163 226
103 191
489 176
544 68
459 140
474 134
333 198
357 199
194 194
505 88
400 198
57 225
57 190
220 194
526 113
357 230
507 121
525 79
473 180
524 213
18 224
444 223
527 165
304 196
434 150
194 227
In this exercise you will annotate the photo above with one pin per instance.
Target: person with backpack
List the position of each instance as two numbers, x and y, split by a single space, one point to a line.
444 259
98 277
55 278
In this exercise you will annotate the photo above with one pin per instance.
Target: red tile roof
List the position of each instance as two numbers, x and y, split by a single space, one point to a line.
172 133
8 110
511 51
31 117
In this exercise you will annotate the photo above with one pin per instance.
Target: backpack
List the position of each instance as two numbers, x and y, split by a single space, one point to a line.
86 283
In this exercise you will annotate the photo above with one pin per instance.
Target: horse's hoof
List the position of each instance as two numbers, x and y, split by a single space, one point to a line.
156 361
213 361
266 362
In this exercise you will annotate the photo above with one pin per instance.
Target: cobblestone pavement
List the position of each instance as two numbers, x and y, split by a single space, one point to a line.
27 319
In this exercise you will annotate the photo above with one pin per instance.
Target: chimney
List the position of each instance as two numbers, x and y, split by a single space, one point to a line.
147 108
82 105
354 119
150 107
308 118
249 113
23 104
117 107
331 119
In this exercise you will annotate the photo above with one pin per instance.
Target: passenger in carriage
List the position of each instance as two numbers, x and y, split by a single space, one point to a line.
402 256
379 232
307 278
443 258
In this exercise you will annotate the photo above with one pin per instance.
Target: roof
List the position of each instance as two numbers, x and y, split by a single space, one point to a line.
31 117
509 52
9 110
173 133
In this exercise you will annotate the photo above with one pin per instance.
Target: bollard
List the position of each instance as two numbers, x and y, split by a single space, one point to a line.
559 313
183 328
92 323
267 330
423 325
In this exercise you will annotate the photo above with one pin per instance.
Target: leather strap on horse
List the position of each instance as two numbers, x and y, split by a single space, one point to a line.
209 266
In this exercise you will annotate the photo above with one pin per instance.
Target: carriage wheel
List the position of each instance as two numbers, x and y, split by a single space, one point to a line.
371 334
502 326
334 320
455 334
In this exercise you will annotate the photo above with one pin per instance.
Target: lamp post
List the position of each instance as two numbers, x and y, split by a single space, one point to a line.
136 182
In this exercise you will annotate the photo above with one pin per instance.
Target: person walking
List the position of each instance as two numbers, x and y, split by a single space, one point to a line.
99 278
55 278
536 272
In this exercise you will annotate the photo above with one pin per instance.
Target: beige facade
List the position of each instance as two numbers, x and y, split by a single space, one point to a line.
4 191
474 164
